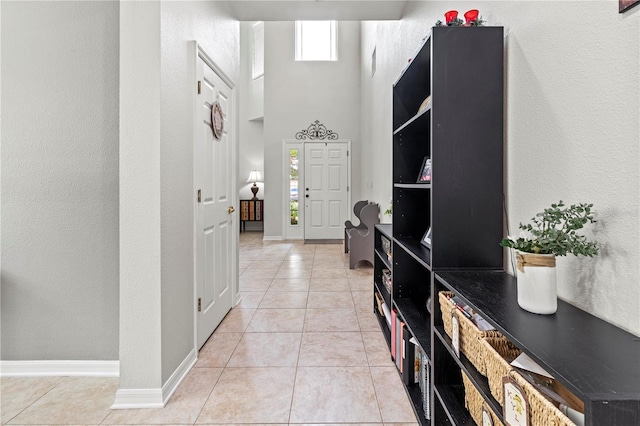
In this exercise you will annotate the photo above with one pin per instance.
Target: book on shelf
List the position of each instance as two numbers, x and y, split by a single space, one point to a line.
425 385
417 360
379 303
408 357
398 326
387 314
394 314
403 349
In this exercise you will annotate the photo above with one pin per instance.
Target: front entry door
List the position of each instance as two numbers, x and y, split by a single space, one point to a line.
325 190
216 235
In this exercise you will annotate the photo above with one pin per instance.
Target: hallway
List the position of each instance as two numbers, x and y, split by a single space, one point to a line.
303 346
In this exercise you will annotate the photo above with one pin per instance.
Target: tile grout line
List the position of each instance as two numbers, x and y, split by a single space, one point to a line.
226 363
295 374
37 399
210 392
375 391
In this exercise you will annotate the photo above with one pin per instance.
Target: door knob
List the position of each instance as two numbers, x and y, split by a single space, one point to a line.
230 209
307 195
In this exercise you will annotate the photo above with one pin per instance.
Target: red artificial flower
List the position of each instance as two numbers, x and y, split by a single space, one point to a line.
471 15
451 15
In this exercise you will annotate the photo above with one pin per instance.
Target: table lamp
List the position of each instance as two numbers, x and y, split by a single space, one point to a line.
254 177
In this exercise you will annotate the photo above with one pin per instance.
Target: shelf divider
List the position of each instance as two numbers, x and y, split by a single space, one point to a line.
412 185
383 256
412 120
452 399
480 382
419 252
418 326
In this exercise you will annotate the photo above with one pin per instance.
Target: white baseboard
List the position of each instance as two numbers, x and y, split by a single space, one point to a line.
155 398
273 238
138 398
59 368
178 376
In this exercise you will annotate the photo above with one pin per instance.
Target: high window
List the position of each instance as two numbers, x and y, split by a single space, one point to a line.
257 69
316 41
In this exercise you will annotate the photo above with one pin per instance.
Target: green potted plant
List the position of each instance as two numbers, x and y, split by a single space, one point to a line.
553 232
389 210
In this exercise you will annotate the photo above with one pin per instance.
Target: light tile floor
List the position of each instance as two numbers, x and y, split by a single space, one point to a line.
303 347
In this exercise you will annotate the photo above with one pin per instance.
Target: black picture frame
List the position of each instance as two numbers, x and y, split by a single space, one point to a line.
426 239
425 171
624 5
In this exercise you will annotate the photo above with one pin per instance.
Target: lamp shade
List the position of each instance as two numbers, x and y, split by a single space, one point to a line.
254 176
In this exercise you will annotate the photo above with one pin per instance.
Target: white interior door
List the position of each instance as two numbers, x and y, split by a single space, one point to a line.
216 236
325 189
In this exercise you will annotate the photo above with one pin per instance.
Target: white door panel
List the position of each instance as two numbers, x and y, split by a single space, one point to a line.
213 174
335 214
335 178
326 192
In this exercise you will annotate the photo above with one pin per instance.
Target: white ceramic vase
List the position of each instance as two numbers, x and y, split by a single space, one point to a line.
536 278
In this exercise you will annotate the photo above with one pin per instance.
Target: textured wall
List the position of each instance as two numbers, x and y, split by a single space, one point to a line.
298 93
572 128
219 34
251 132
140 278
59 181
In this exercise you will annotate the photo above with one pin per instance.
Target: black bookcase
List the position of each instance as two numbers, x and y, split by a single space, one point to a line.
460 128
461 131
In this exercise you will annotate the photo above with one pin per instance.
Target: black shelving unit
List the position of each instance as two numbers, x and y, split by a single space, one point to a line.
461 130
596 361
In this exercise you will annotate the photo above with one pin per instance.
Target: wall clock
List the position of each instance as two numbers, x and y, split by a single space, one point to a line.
217 120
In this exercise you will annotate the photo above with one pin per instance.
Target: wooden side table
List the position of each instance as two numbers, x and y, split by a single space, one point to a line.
251 211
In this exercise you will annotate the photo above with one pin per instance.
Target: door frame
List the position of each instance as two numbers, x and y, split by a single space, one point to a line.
296 232
198 52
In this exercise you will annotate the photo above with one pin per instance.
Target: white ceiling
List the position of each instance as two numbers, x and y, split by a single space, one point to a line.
291 10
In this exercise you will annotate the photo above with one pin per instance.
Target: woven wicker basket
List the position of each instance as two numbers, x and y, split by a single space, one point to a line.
470 336
541 411
473 402
497 355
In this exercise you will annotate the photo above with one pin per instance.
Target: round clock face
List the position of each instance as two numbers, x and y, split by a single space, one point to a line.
217 120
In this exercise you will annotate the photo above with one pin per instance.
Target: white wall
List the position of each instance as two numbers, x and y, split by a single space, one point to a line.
251 126
140 238
572 128
158 70
218 33
376 106
298 93
59 215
